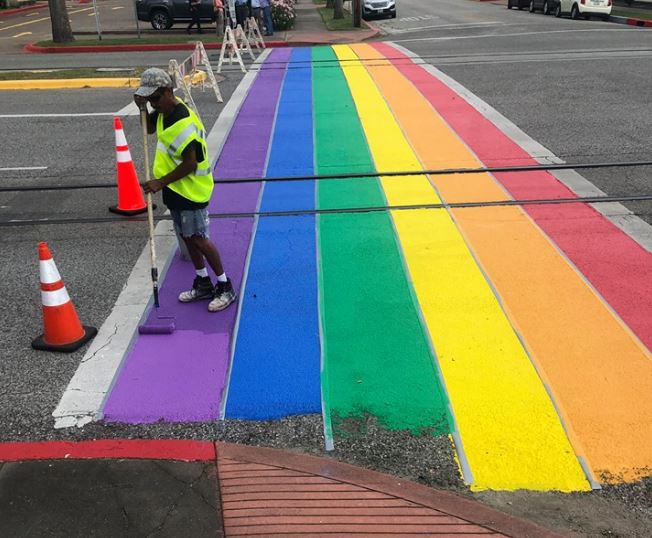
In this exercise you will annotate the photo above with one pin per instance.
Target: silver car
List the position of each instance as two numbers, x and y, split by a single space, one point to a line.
378 8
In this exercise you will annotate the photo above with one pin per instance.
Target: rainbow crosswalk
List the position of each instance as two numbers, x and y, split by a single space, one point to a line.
523 332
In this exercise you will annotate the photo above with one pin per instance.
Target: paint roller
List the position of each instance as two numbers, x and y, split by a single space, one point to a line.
157 323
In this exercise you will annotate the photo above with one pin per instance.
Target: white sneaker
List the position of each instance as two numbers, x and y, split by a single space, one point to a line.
202 288
223 296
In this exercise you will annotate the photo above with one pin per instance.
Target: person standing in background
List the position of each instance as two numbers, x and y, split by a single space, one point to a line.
195 8
266 8
218 8
241 12
256 12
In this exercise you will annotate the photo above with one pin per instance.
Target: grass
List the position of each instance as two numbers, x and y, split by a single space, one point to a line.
158 40
68 73
337 24
638 14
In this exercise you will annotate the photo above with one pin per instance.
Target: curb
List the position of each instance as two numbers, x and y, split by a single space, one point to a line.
450 503
69 83
13 11
631 22
377 31
32 47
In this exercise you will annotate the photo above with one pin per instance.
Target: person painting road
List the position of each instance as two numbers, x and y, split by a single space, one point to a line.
182 171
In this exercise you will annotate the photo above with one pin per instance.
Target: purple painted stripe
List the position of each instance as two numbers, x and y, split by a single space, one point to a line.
180 377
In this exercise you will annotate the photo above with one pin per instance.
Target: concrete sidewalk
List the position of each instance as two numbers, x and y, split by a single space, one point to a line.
309 30
197 488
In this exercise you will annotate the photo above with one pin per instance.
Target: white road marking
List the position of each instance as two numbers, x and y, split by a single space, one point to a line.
76 115
39 20
85 395
639 230
18 168
130 110
446 27
547 32
22 34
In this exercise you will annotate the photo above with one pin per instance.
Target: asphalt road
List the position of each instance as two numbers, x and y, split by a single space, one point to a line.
580 88
93 259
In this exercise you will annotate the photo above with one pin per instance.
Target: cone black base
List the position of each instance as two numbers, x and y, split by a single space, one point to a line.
40 344
129 212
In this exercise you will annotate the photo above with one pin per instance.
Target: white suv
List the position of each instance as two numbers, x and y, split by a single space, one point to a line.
585 8
378 8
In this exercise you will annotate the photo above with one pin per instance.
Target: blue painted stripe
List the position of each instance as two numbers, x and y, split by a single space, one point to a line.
275 370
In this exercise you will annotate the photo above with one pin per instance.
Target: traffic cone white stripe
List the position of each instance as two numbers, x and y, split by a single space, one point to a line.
55 298
120 138
49 272
123 156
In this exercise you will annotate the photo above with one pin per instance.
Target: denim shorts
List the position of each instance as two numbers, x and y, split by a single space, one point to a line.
189 222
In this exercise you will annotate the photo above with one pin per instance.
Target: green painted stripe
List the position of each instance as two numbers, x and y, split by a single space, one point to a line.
377 358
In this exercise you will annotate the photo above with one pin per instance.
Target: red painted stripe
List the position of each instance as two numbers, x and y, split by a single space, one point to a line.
616 265
109 449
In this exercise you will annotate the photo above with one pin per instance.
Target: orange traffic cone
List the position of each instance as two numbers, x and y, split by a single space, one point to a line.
130 195
63 331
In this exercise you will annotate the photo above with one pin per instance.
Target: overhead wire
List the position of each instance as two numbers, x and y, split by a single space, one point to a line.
364 175
343 210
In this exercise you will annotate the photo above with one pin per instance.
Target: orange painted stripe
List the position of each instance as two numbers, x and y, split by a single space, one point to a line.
599 375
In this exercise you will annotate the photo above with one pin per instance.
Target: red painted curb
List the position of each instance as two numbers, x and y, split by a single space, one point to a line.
109 449
639 23
13 11
31 47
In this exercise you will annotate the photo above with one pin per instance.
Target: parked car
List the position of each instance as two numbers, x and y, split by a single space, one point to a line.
584 8
545 6
378 8
520 4
162 14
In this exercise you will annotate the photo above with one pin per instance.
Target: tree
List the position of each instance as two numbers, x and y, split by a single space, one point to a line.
329 3
338 9
61 30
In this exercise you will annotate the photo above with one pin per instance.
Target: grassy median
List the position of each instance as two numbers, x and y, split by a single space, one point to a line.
337 24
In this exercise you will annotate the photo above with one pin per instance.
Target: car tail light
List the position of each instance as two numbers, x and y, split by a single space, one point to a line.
583 2
608 3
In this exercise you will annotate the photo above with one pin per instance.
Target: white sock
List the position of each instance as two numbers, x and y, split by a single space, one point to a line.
222 278
202 272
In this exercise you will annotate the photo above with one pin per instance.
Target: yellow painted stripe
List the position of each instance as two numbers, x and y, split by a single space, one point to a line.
511 433
599 374
70 83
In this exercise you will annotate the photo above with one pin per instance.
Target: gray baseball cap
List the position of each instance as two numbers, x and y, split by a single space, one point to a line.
151 80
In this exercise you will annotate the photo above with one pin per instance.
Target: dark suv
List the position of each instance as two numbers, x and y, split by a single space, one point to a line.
162 14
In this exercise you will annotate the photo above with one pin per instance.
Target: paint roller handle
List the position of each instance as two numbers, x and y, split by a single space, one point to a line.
150 211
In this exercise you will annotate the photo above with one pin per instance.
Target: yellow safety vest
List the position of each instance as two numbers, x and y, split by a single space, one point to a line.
197 186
